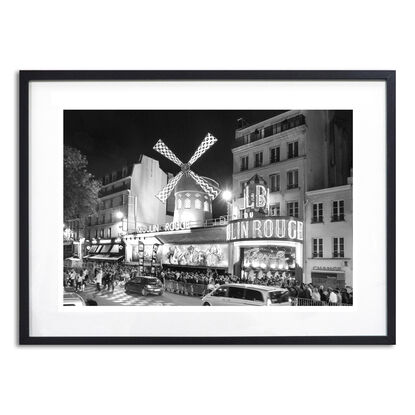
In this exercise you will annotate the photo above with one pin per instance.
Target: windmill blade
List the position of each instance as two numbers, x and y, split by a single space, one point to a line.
207 187
166 152
204 146
164 193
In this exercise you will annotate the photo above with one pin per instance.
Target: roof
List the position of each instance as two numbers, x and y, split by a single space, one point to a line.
186 183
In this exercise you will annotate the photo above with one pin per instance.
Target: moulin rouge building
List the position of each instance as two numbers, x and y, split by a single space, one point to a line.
291 210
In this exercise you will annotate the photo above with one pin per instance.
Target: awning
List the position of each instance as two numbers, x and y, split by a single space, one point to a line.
106 257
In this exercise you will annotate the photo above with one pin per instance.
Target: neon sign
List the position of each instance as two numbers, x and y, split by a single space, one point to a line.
170 226
285 228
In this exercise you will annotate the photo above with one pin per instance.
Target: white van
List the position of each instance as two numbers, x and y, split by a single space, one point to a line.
247 294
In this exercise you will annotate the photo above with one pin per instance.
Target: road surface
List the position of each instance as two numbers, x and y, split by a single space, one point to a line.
120 298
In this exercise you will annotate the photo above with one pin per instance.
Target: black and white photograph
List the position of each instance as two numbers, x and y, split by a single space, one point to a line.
208 208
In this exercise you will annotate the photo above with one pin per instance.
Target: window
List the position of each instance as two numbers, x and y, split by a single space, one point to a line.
292 179
268 131
179 203
338 211
96 233
101 233
293 149
114 176
244 163
317 213
338 247
317 247
274 180
243 184
275 210
274 155
187 203
236 292
102 219
292 209
198 204
258 159
106 179
109 233
206 206
220 292
124 171
253 295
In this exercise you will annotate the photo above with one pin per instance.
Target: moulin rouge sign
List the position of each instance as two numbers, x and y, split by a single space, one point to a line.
267 228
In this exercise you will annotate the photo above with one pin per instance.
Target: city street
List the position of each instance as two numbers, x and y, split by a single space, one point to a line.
120 298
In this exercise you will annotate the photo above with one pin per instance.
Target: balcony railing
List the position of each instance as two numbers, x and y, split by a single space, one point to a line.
277 128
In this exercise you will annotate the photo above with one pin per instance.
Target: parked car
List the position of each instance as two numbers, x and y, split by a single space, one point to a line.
247 294
71 298
144 285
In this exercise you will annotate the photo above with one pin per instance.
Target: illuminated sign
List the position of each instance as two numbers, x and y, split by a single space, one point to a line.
256 197
171 226
282 228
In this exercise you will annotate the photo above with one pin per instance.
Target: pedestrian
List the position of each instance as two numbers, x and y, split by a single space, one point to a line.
315 295
339 297
332 297
98 279
110 282
79 281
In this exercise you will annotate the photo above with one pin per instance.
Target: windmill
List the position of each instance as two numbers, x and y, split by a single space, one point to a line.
194 199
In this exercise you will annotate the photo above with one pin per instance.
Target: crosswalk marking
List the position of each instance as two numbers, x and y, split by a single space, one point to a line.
120 297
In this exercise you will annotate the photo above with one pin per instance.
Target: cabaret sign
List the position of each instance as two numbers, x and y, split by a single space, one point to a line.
171 226
244 229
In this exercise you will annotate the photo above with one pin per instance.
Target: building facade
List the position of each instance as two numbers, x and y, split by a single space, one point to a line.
305 157
329 237
127 201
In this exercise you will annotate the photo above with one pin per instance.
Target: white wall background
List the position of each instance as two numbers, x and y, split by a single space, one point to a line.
208 35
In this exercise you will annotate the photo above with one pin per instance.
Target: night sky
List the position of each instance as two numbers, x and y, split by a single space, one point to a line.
111 139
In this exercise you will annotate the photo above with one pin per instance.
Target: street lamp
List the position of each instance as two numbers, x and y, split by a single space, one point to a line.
119 215
227 195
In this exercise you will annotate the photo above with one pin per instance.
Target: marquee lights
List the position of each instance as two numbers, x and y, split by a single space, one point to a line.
287 229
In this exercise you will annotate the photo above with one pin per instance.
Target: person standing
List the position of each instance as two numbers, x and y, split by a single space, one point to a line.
79 281
110 281
98 279
332 297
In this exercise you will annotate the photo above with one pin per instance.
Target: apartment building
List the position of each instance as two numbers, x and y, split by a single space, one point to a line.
305 157
127 201
329 237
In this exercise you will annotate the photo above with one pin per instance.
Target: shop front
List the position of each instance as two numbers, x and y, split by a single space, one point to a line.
107 250
267 246
196 249
337 274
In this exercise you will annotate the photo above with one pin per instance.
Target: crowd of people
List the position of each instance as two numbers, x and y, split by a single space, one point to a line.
104 276
299 290
108 275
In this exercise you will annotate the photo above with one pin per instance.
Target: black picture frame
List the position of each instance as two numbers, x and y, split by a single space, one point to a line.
388 76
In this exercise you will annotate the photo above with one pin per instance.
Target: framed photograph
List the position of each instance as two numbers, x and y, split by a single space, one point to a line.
207 207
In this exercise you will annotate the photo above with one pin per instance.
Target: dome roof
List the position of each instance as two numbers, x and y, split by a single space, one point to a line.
186 183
